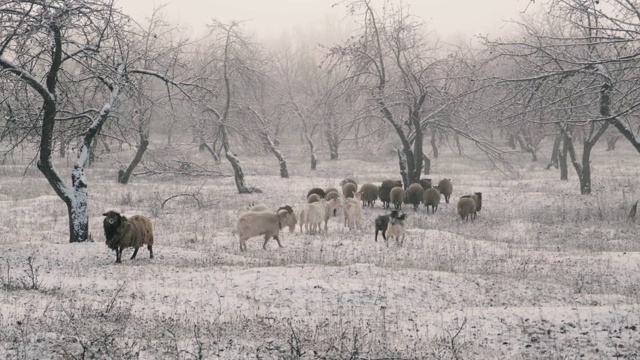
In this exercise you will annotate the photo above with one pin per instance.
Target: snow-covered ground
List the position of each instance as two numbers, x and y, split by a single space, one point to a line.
542 273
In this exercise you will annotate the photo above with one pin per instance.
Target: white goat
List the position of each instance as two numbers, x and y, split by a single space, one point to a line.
396 229
267 223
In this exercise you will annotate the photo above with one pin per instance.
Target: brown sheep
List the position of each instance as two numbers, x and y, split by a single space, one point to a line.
477 197
426 183
369 194
431 198
446 189
122 232
467 208
384 192
396 196
414 195
349 189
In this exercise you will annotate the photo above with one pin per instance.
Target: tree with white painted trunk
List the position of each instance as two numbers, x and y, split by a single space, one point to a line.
55 52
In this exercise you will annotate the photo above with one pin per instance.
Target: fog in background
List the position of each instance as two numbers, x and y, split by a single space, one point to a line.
450 19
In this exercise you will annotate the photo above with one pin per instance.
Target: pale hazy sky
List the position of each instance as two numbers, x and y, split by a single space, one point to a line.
273 17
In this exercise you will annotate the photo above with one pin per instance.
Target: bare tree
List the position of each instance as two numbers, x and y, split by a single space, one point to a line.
226 68
410 81
73 46
567 63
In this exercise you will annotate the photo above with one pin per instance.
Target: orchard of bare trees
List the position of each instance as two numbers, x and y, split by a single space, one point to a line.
81 78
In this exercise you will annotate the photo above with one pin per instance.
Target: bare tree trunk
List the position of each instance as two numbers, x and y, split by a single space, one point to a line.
271 145
235 164
214 153
312 149
511 140
123 178
458 145
434 145
427 164
332 139
555 152
583 168
402 162
611 142
526 146
562 159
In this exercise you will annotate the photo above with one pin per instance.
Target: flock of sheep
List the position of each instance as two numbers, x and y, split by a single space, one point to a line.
321 204
122 232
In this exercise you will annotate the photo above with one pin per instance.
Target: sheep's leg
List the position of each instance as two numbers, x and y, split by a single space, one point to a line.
266 240
118 255
150 251
135 252
278 240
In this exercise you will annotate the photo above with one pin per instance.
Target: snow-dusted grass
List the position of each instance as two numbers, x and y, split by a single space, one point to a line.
542 273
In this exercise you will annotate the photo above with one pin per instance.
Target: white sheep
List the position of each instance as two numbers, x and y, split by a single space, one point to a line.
348 203
331 206
353 212
267 223
396 229
315 215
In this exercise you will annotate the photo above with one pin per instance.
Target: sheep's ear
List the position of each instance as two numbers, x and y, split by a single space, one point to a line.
105 214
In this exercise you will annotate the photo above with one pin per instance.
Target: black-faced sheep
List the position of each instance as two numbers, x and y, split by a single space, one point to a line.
313 198
397 197
382 222
267 223
446 189
414 195
396 229
384 192
318 191
122 232
467 208
349 189
369 194
431 198
477 197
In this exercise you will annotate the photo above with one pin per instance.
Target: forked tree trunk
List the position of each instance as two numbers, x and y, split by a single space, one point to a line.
215 154
238 174
123 178
271 145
